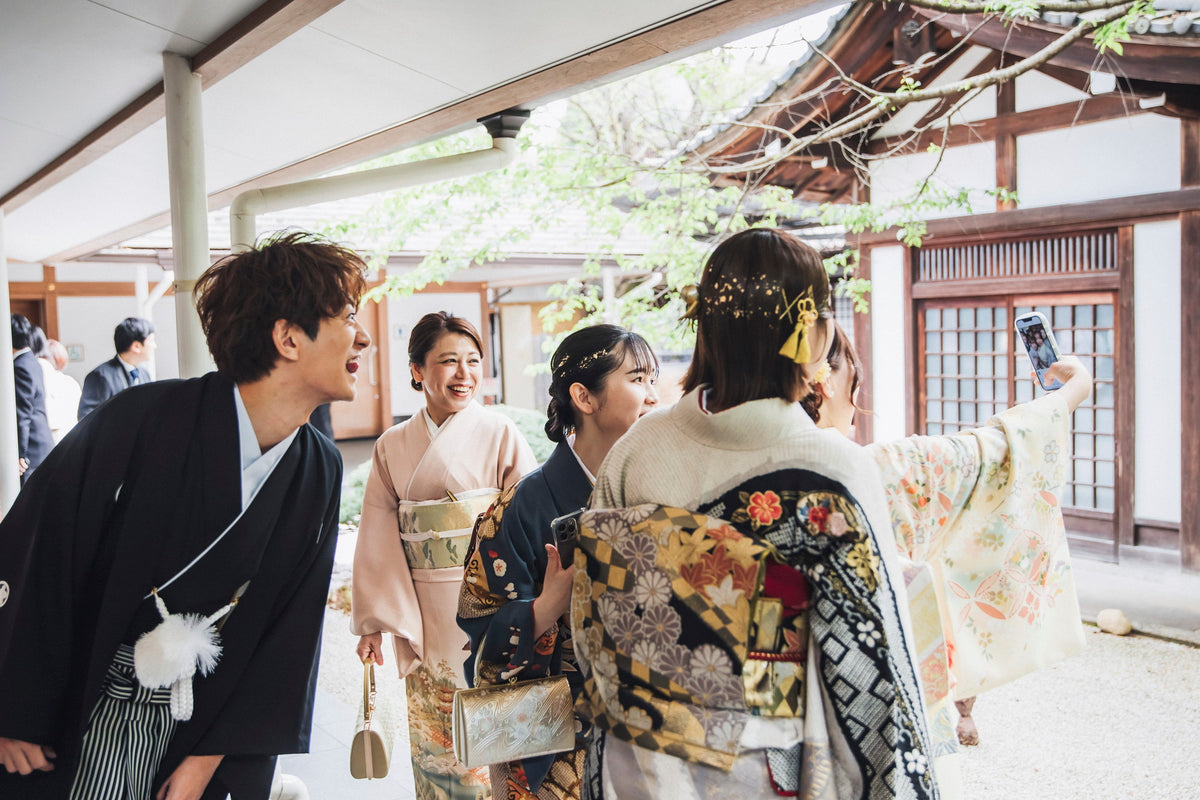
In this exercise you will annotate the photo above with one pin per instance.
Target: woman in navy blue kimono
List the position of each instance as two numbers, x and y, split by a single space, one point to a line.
516 595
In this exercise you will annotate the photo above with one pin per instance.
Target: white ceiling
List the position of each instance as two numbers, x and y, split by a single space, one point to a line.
319 85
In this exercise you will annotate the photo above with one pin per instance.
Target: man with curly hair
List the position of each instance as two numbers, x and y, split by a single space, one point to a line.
165 570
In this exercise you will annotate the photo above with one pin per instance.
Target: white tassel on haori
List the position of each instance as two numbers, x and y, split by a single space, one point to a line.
178 647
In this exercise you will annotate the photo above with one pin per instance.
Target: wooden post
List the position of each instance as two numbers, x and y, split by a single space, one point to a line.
1189 524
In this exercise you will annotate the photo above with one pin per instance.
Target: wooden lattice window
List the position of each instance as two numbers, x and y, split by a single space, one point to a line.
1093 251
966 362
1086 328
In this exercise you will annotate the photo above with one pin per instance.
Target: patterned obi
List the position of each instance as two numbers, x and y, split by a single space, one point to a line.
682 641
437 533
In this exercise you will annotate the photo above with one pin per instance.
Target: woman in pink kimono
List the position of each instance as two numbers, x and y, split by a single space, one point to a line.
431 476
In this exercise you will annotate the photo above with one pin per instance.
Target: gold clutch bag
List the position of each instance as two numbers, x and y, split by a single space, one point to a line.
371 748
496 724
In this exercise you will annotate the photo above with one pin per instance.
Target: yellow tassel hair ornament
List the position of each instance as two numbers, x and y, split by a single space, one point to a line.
797 347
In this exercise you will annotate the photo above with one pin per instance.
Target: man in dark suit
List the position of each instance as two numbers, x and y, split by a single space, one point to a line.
134 340
34 439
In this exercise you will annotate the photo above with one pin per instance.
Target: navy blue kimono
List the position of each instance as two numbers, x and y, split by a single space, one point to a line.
503 576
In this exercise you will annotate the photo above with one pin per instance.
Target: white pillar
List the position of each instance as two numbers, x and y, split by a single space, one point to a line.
189 206
10 482
608 289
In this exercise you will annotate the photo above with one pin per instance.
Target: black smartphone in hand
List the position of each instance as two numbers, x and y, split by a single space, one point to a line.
565 532
1035 333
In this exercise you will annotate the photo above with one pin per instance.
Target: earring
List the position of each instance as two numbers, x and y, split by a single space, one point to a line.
416 384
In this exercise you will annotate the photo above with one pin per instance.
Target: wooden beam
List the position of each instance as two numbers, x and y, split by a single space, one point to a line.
1064 115
1189 151
260 30
1161 58
255 34
1189 528
708 26
1116 210
1006 140
1040 284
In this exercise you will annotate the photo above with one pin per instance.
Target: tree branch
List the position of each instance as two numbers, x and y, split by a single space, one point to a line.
887 103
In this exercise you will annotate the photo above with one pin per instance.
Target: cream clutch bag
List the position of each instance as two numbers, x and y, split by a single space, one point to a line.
497 724
371 748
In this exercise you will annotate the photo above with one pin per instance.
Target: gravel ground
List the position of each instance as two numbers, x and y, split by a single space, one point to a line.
1122 720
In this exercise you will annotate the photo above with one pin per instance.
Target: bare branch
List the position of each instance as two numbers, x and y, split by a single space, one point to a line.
997 7
886 103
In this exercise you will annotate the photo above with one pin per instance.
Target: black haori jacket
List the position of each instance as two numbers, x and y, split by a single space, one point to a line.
128 498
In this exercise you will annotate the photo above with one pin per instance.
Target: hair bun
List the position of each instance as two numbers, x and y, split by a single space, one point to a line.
555 429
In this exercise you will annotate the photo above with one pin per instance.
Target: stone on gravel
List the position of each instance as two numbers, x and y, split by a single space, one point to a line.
1114 621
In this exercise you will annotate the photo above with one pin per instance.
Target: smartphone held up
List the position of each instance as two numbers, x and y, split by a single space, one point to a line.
1040 345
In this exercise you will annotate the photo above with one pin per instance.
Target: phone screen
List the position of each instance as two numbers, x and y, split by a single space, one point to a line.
1039 343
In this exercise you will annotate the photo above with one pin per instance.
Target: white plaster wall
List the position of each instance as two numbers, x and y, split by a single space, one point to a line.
89 322
516 348
970 166
888 389
1113 158
1158 415
1035 90
100 271
23 271
980 107
403 313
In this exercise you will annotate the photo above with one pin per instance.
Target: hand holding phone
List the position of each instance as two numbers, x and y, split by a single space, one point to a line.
1035 333
565 530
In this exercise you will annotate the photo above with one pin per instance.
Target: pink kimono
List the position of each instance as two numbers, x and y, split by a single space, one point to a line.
408 567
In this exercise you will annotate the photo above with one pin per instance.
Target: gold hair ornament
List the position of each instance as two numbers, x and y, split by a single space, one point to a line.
823 372
797 346
691 296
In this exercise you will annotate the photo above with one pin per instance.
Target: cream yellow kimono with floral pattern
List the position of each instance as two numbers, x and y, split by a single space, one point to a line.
978 517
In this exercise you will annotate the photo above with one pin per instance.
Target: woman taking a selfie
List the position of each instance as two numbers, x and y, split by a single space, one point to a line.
431 476
516 593
977 516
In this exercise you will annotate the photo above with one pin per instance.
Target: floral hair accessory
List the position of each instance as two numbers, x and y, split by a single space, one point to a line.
797 346
823 372
691 296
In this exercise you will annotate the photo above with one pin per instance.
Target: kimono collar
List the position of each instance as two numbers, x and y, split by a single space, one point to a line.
566 478
257 466
587 472
748 426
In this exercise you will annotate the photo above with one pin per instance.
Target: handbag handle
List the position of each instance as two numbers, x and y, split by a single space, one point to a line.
368 689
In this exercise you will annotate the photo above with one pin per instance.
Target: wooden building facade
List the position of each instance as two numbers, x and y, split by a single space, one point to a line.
1103 237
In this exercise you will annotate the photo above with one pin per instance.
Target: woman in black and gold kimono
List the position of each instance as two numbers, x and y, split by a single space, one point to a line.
516 594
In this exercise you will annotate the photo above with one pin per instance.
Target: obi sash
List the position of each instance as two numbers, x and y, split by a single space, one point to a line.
437 533
670 610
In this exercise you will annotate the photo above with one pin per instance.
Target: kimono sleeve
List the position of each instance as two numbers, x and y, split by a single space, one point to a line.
504 575
514 457
383 597
982 509
270 709
50 541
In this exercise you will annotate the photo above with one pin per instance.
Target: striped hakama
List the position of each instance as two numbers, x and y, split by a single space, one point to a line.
127 736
